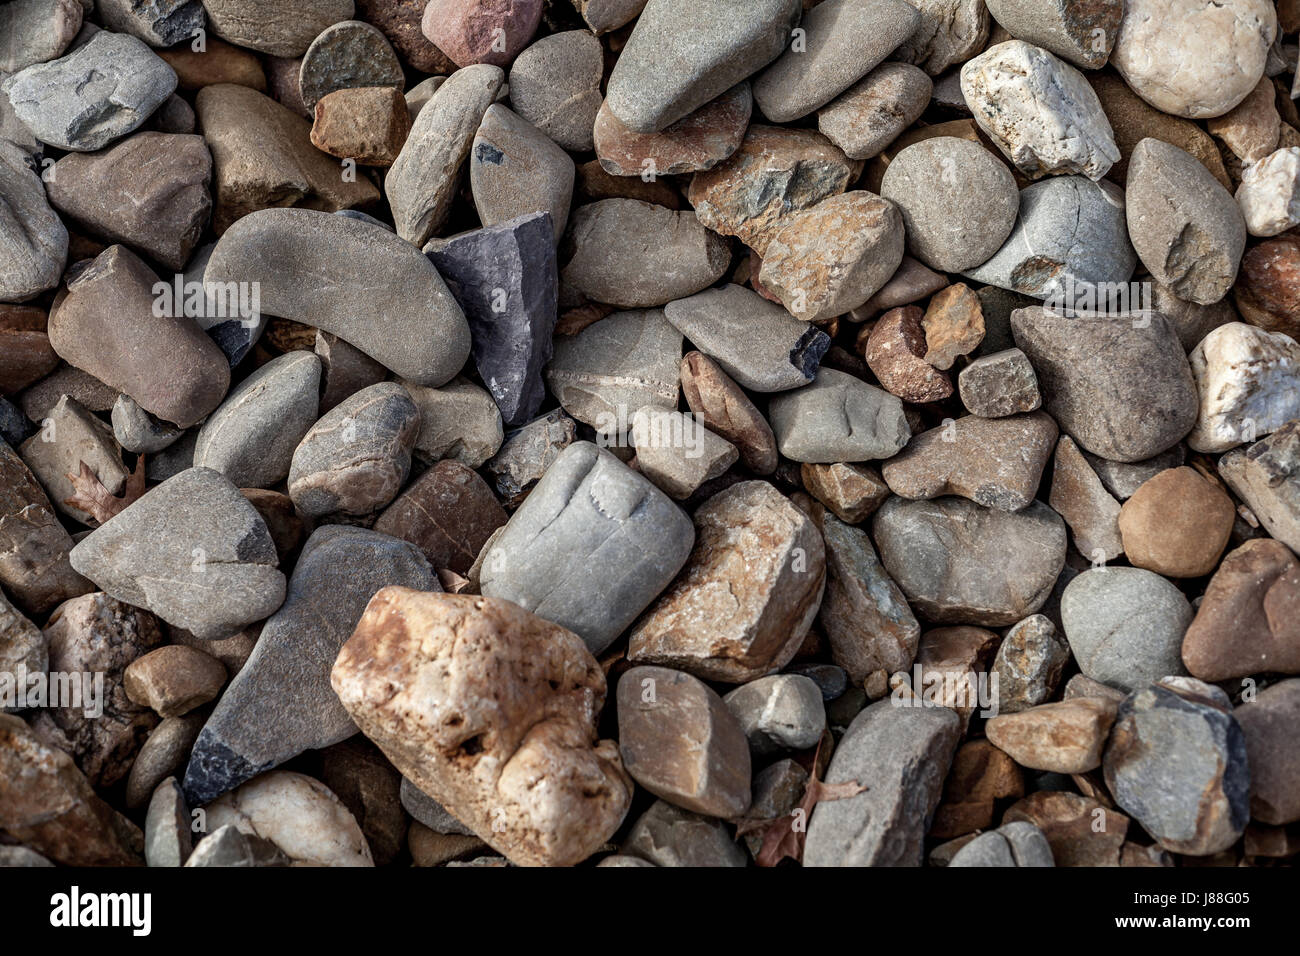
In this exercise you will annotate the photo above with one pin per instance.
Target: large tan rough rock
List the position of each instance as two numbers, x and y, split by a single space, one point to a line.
743 603
492 712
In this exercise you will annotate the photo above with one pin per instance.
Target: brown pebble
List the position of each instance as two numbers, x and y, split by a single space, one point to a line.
368 124
895 350
25 352
1176 524
219 62
173 680
953 324
852 491
980 776
1065 737
723 407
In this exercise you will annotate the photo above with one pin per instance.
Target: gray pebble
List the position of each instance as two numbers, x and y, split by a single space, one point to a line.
666 835
33 240
156 22
167 838
677 452
280 30
429 811
22 646
163 755
555 85
998 385
872 113
348 55
36 31
458 421
1019 843
136 430
528 452
229 846
515 169
779 712
69 436
172 460
1079 31
838 417
1122 478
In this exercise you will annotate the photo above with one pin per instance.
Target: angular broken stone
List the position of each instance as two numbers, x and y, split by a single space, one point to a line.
867 423
458 421
1028 664
780 712
229 846
159 23
677 452
1065 737
1246 380
193 551
528 453
590 510
954 325
1269 724
368 124
136 430
951 32
449 513
174 680
698 141
1080 830
506 740
852 492
69 436
1079 497
33 240
666 835
755 576
22 648
1019 843
895 351
1268 195
998 385
167 837
721 405
515 169
1266 476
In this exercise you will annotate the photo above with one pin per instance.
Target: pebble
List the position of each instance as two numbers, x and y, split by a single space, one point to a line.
422 182
1177 763
297 814
958 562
481 31
344 370
347 55
1266 477
1268 286
163 755
629 360
278 31
528 453
22 646
589 510
722 406
27 357
17 856
666 835
955 658
1080 831
252 435
138 431
1119 385
1191 321
357 456
228 846
895 351
604 16
677 59
873 112
677 452
777 713
1246 380
218 62
34 242
697 141
36 31
1123 478
852 492
368 124
1125 625
193 551
636 255
838 418
1029 664
173 680
981 776
1251 128
14 425
522 766
449 513
1269 724
1013 844
411 322
1066 737
1244 624
951 32
995 462
743 603
167 837
1177 524
400 22
1192 59
161 23
94 95
830 259
757 343
69 436
1269 195
1187 229
1039 111
555 85
458 421
516 169
999 385
958 201
901 755
1080 497
1077 31
954 325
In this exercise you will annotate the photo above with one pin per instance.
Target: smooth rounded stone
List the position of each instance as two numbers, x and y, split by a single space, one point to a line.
852 492
1269 195
36 31
263 157
1267 292
830 259
666 835
1246 380
449 513
522 766
252 435
1079 496
25 353
1071 235
157 22
1119 385
613 367
950 32
680 741
775 172
94 95
358 455
747 595
1125 625
1029 664
895 350
422 182
999 385
138 431
1266 477
48 805
958 201
841 40
1270 724
368 124
193 551
167 837
279 31
69 437
1039 111
1065 737
555 86
838 418
756 342
173 680
1080 686
33 240
1177 524
22 647
347 55
604 16
528 453
384 297
175 116
1080 32
720 404
677 452
217 62
995 462
960 563
34 546
400 22
1191 320
780 712
481 31
901 755
1177 763
871 114
516 169
677 59
281 703
590 510
638 255
430 812
1019 843
1194 59
698 141
1187 229
296 813
1245 623
163 755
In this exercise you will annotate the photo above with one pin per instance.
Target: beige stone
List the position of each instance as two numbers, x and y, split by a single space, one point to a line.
1066 737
